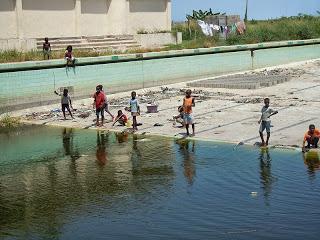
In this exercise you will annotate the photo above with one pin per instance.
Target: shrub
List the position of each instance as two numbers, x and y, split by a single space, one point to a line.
8 122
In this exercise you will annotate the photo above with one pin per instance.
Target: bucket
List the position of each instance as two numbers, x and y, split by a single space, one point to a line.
152 108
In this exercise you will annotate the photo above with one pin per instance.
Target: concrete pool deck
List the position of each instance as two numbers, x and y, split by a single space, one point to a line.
221 114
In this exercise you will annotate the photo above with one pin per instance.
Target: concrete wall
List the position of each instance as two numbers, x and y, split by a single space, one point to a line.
94 17
49 18
67 18
149 15
20 89
117 17
157 39
18 44
8 21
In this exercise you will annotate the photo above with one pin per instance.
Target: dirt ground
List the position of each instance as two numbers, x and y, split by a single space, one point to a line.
221 114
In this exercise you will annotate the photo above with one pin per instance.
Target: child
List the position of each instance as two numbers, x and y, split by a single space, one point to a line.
312 137
46 48
106 105
69 56
134 109
65 100
265 122
121 118
188 103
179 118
98 103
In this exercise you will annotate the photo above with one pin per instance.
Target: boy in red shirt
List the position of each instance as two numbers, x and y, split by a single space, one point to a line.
311 137
106 104
99 100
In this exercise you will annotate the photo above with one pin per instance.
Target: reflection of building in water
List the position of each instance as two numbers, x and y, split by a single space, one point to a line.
188 158
266 177
39 198
312 161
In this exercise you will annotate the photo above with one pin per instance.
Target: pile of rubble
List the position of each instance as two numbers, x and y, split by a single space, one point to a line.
57 114
154 96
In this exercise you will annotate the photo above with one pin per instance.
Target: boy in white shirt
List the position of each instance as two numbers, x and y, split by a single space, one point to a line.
265 121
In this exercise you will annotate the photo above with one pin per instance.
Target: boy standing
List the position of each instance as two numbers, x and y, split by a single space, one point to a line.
265 121
65 101
106 104
46 48
99 100
134 109
188 103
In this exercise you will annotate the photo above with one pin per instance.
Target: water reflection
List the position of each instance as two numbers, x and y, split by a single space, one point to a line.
122 137
312 161
266 177
188 154
101 154
40 197
68 145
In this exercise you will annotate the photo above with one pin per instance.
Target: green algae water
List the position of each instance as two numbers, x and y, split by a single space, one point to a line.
77 184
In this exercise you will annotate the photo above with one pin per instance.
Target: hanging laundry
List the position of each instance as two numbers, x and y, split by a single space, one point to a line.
215 27
206 29
234 28
241 27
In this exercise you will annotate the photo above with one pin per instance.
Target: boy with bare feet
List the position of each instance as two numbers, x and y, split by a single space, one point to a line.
188 103
99 101
265 121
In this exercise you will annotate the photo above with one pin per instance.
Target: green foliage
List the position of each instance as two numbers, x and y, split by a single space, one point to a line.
292 28
285 28
16 56
8 122
201 15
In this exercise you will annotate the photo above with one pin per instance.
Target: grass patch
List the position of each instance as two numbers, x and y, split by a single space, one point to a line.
287 28
9 122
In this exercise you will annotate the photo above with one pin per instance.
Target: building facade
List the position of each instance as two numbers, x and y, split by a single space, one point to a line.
27 19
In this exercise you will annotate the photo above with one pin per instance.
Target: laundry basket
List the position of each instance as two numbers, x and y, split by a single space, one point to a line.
152 108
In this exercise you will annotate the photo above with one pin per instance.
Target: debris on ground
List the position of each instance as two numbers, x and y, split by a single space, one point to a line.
84 114
253 100
151 97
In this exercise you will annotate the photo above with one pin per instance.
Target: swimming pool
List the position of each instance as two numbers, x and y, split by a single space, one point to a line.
81 184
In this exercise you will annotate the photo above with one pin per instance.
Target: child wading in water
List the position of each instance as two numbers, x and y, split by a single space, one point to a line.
265 121
134 109
65 101
188 103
